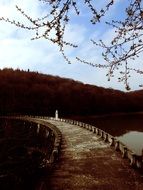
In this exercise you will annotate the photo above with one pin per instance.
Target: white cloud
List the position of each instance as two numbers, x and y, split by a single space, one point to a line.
18 51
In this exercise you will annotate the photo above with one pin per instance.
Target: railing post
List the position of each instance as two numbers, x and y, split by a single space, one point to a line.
106 137
97 131
133 160
139 162
47 133
112 141
90 127
38 128
102 134
117 145
54 155
93 129
83 124
56 115
124 155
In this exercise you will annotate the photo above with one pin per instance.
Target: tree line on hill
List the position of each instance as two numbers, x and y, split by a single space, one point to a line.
32 93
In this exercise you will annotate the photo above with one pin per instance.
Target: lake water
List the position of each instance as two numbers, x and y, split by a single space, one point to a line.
134 140
128 128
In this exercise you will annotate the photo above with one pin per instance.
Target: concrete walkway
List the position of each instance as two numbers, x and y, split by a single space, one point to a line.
87 163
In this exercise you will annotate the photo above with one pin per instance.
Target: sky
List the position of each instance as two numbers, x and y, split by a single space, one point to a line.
18 51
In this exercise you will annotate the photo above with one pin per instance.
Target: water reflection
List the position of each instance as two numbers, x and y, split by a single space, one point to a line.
127 127
133 140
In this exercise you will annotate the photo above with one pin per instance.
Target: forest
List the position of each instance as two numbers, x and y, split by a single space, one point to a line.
24 92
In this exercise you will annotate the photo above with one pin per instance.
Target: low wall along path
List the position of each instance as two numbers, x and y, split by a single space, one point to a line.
88 163
87 159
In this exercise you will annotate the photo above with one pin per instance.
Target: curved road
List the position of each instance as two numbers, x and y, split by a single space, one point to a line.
87 163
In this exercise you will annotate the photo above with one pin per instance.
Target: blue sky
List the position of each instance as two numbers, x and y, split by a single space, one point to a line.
18 51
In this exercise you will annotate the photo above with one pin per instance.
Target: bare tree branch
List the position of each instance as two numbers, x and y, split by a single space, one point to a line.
125 47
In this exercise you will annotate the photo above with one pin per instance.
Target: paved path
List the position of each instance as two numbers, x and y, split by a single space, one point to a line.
87 163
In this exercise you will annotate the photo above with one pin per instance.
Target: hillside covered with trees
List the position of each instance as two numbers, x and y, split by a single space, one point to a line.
32 93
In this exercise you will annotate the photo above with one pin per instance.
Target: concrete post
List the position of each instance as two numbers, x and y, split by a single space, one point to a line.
56 115
124 155
133 160
139 162
54 156
83 125
93 129
112 141
117 145
106 137
97 131
47 133
90 127
102 134
38 128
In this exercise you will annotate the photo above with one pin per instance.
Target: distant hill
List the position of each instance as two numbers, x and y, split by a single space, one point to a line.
24 92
